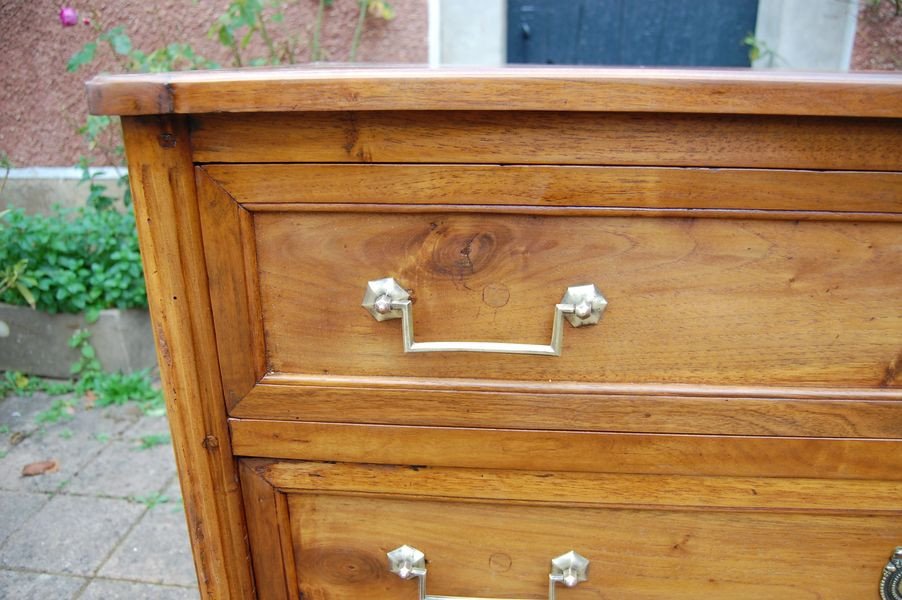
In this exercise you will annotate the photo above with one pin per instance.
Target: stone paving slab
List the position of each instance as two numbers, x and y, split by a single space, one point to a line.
16 509
126 470
148 426
20 585
70 534
106 589
73 443
60 531
149 554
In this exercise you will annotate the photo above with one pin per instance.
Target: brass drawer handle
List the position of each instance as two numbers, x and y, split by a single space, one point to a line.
891 582
387 299
407 562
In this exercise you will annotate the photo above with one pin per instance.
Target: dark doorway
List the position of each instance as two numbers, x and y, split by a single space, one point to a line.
699 33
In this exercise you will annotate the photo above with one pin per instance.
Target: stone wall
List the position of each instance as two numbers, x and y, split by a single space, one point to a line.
878 42
41 104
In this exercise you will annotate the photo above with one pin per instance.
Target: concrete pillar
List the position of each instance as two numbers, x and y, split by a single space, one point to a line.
471 32
806 34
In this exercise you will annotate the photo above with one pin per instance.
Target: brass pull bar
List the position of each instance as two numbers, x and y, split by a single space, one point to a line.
408 563
387 299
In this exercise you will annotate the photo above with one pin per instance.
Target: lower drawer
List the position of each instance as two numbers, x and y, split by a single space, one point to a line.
322 530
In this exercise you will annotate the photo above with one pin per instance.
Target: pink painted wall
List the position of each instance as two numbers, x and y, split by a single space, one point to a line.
41 104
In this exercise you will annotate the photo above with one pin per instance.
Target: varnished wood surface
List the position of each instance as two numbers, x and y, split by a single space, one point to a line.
735 456
269 536
702 301
628 408
504 551
558 186
162 181
729 430
582 138
552 488
519 88
230 256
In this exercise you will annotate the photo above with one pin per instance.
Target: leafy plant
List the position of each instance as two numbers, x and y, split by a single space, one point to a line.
13 274
759 50
111 389
78 260
90 382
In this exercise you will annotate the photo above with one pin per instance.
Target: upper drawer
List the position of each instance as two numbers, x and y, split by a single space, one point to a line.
575 138
756 299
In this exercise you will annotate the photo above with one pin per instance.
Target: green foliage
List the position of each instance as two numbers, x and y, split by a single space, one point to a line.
78 260
111 389
82 57
62 409
89 381
151 441
174 57
759 50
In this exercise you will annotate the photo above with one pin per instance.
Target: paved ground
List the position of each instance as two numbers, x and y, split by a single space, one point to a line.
108 524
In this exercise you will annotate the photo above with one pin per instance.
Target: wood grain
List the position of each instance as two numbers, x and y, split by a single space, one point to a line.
700 301
229 252
539 405
492 551
560 186
265 524
735 456
834 496
521 88
166 212
616 139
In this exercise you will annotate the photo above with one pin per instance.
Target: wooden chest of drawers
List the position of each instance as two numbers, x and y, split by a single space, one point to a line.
715 257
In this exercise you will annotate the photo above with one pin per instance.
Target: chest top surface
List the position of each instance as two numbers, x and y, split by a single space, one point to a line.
509 89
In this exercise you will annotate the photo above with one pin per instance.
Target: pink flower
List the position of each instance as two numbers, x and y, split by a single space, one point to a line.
68 16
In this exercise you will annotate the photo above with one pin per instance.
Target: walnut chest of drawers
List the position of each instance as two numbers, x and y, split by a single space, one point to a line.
651 320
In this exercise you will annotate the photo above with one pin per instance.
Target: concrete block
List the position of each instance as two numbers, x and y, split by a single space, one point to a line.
109 589
156 551
37 342
16 585
37 190
70 534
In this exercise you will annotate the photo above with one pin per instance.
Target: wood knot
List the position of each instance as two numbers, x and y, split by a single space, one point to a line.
210 442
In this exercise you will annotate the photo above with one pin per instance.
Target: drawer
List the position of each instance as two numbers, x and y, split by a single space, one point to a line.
323 531
701 307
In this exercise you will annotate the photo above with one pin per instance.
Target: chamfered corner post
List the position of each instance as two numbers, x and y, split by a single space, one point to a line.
161 173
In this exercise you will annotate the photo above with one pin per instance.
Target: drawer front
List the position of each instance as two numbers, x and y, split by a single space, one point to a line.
496 539
733 321
703 301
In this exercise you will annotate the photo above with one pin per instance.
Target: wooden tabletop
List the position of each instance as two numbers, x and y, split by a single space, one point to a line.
317 88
